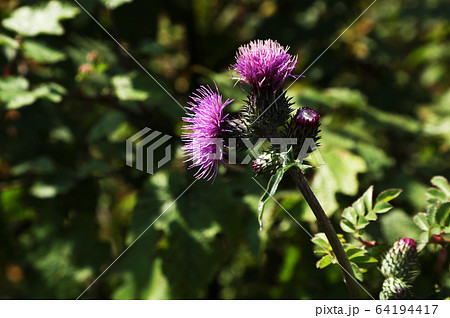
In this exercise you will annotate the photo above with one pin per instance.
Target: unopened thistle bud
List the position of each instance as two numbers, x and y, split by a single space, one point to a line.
401 261
266 163
395 288
304 125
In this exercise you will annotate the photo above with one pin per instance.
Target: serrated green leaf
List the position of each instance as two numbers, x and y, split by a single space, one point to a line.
41 52
432 214
371 216
362 223
325 261
355 251
364 259
359 207
421 221
320 239
388 195
442 183
368 198
350 214
435 230
443 214
382 207
41 19
347 226
357 271
423 240
270 191
434 193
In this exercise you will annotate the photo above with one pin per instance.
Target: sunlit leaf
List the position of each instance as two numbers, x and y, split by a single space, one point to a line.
442 184
112 4
382 207
9 42
388 195
421 221
41 52
40 19
124 89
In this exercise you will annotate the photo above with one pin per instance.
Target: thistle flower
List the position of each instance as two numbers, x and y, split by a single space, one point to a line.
401 261
264 64
205 121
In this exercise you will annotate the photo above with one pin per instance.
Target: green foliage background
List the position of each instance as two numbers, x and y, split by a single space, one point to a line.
69 97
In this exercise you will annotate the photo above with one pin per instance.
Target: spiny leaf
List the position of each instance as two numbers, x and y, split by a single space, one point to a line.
272 187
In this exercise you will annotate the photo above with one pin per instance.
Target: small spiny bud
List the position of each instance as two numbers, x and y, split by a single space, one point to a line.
266 163
401 261
395 288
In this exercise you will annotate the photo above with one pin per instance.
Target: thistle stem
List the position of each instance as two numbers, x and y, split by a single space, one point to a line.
328 228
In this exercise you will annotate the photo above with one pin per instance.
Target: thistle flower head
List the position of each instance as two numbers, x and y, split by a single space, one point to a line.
401 261
204 137
264 64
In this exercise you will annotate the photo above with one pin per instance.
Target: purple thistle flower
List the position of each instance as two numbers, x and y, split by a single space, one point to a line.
264 63
204 144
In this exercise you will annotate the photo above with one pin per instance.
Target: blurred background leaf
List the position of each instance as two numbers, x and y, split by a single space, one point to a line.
70 97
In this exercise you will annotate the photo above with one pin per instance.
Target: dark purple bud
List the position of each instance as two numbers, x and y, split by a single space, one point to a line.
306 118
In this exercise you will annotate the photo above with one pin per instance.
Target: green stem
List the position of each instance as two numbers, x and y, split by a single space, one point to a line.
328 228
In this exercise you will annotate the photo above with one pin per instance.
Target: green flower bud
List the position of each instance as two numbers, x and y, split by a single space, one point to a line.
395 288
401 261
267 163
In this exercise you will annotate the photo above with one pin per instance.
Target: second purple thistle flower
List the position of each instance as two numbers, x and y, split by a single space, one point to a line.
204 136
